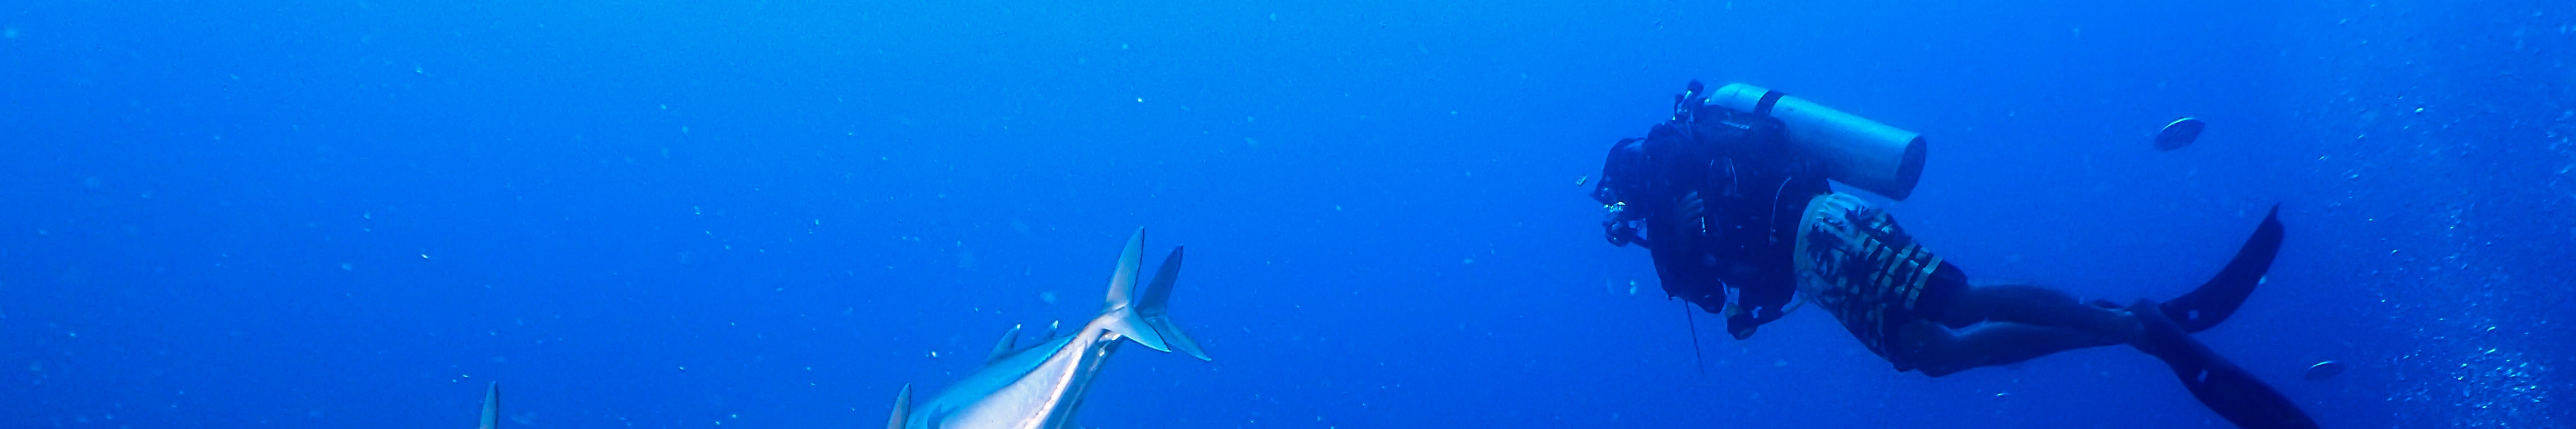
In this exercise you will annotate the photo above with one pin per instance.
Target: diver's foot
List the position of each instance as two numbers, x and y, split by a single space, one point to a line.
2157 334
2212 302
1925 346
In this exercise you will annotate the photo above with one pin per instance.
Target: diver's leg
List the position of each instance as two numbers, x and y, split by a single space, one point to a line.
2038 306
1939 351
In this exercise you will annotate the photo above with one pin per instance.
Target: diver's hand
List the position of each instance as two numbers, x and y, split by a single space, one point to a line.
1690 209
1618 226
1739 323
1621 233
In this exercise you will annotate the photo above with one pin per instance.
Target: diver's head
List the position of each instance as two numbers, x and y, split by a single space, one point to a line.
1623 173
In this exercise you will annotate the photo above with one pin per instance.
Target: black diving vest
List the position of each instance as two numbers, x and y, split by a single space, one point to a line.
1753 187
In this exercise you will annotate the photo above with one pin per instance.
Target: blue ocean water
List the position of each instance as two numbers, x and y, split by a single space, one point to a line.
773 214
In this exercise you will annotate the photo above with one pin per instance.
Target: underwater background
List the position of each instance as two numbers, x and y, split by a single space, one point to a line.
772 214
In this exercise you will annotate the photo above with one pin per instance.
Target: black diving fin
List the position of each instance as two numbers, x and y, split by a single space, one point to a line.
2203 308
2222 386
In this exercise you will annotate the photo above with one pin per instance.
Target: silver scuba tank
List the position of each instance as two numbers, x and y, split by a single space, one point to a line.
1856 151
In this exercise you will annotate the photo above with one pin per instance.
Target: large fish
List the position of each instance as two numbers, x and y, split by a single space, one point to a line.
1039 387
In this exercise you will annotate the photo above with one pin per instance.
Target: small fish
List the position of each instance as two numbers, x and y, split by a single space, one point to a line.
1579 181
2179 133
2323 370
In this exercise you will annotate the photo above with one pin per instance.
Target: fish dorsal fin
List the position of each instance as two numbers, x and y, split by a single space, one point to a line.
491 407
902 408
1004 347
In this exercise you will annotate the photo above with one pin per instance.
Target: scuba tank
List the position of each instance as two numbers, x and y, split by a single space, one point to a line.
1855 151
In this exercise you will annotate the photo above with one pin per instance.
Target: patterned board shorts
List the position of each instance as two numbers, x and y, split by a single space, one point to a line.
1857 264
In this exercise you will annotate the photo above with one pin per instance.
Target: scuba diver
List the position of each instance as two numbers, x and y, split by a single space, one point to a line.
1730 198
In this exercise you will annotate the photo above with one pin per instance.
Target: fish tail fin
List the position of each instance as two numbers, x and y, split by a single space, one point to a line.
1154 307
1146 318
902 408
1122 282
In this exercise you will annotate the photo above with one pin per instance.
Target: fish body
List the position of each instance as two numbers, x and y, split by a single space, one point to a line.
1040 387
